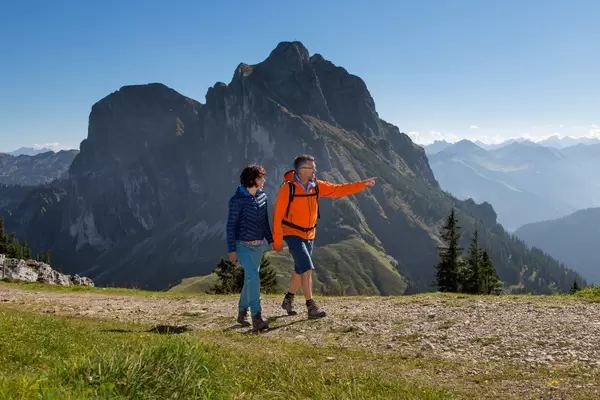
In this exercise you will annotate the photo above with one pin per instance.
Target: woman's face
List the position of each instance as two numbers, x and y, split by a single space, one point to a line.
260 182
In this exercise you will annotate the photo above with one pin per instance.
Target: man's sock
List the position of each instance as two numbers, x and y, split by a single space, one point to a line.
289 295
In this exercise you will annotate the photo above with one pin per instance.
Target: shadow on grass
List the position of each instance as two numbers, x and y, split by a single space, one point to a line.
160 329
269 320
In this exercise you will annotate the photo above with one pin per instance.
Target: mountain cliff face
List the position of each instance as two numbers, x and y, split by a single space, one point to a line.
30 170
145 203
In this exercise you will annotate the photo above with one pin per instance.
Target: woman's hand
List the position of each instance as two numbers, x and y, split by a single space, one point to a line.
232 256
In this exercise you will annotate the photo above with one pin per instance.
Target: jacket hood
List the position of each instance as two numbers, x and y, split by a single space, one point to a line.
289 176
241 191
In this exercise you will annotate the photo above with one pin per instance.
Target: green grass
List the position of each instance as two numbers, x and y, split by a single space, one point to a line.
46 357
591 293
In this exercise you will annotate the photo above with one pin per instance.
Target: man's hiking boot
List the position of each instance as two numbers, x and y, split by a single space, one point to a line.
242 318
288 304
313 310
258 324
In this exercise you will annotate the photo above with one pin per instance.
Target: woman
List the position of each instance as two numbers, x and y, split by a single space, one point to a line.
247 227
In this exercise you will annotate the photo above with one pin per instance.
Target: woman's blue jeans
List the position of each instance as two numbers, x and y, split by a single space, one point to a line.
249 256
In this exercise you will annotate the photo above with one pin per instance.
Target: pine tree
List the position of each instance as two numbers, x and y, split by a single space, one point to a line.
3 238
490 282
575 287
446 271
231 277
268 277
470 277
11 250
26 251
48 256
41 257
17 250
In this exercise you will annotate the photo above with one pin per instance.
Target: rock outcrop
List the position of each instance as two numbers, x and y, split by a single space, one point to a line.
36 271
145 203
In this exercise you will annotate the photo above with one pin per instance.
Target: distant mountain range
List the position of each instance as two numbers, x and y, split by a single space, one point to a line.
31 170
571 239
552 142
524 181
28 151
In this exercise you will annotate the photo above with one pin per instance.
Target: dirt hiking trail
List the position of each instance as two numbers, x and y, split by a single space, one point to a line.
515 333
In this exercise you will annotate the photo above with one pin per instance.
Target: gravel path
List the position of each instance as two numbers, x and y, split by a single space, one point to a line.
527 331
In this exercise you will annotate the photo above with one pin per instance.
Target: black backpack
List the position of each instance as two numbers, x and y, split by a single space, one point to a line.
291 198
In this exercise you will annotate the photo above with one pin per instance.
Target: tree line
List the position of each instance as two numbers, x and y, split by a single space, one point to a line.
473 274
12 248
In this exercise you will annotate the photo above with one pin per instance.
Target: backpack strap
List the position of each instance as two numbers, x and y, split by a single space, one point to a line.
291 196
317 193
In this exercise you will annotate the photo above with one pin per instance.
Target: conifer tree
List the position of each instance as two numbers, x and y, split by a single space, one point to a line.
17 250
268 277
490 282
48 256
231 277
11 250
575 287
446 271
470 277
26 251
3 238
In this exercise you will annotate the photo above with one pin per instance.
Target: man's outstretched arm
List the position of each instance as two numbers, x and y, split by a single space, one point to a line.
336 190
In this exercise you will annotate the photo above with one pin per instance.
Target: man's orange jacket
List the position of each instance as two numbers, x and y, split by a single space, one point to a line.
303 210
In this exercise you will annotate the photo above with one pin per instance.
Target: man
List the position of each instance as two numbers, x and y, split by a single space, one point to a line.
295 219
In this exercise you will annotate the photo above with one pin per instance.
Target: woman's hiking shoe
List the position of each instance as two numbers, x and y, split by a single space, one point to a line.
288 304
313 310
242 318
258 324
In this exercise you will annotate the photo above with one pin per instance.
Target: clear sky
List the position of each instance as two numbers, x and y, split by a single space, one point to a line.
482 69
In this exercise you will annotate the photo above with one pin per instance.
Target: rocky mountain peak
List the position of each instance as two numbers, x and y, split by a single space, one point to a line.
290 55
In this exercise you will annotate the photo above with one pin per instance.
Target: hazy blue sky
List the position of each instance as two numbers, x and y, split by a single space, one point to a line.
482 69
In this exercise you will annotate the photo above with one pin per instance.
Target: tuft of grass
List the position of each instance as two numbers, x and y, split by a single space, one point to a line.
591 293
58 357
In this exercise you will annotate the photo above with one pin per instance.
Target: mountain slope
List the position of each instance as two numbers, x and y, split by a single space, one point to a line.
146 199
31 170
572 239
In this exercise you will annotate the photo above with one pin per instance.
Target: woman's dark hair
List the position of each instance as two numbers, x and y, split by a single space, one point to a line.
250 174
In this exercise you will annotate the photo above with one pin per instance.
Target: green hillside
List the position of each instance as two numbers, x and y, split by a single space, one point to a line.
349 267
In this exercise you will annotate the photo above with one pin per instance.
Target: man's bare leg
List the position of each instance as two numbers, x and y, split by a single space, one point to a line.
295 283
306 279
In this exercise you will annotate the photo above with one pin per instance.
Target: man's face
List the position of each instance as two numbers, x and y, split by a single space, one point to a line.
307 171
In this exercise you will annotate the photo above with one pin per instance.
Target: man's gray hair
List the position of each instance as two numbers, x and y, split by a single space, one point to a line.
301 160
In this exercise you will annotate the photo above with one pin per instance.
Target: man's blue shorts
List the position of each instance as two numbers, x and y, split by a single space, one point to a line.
301 249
